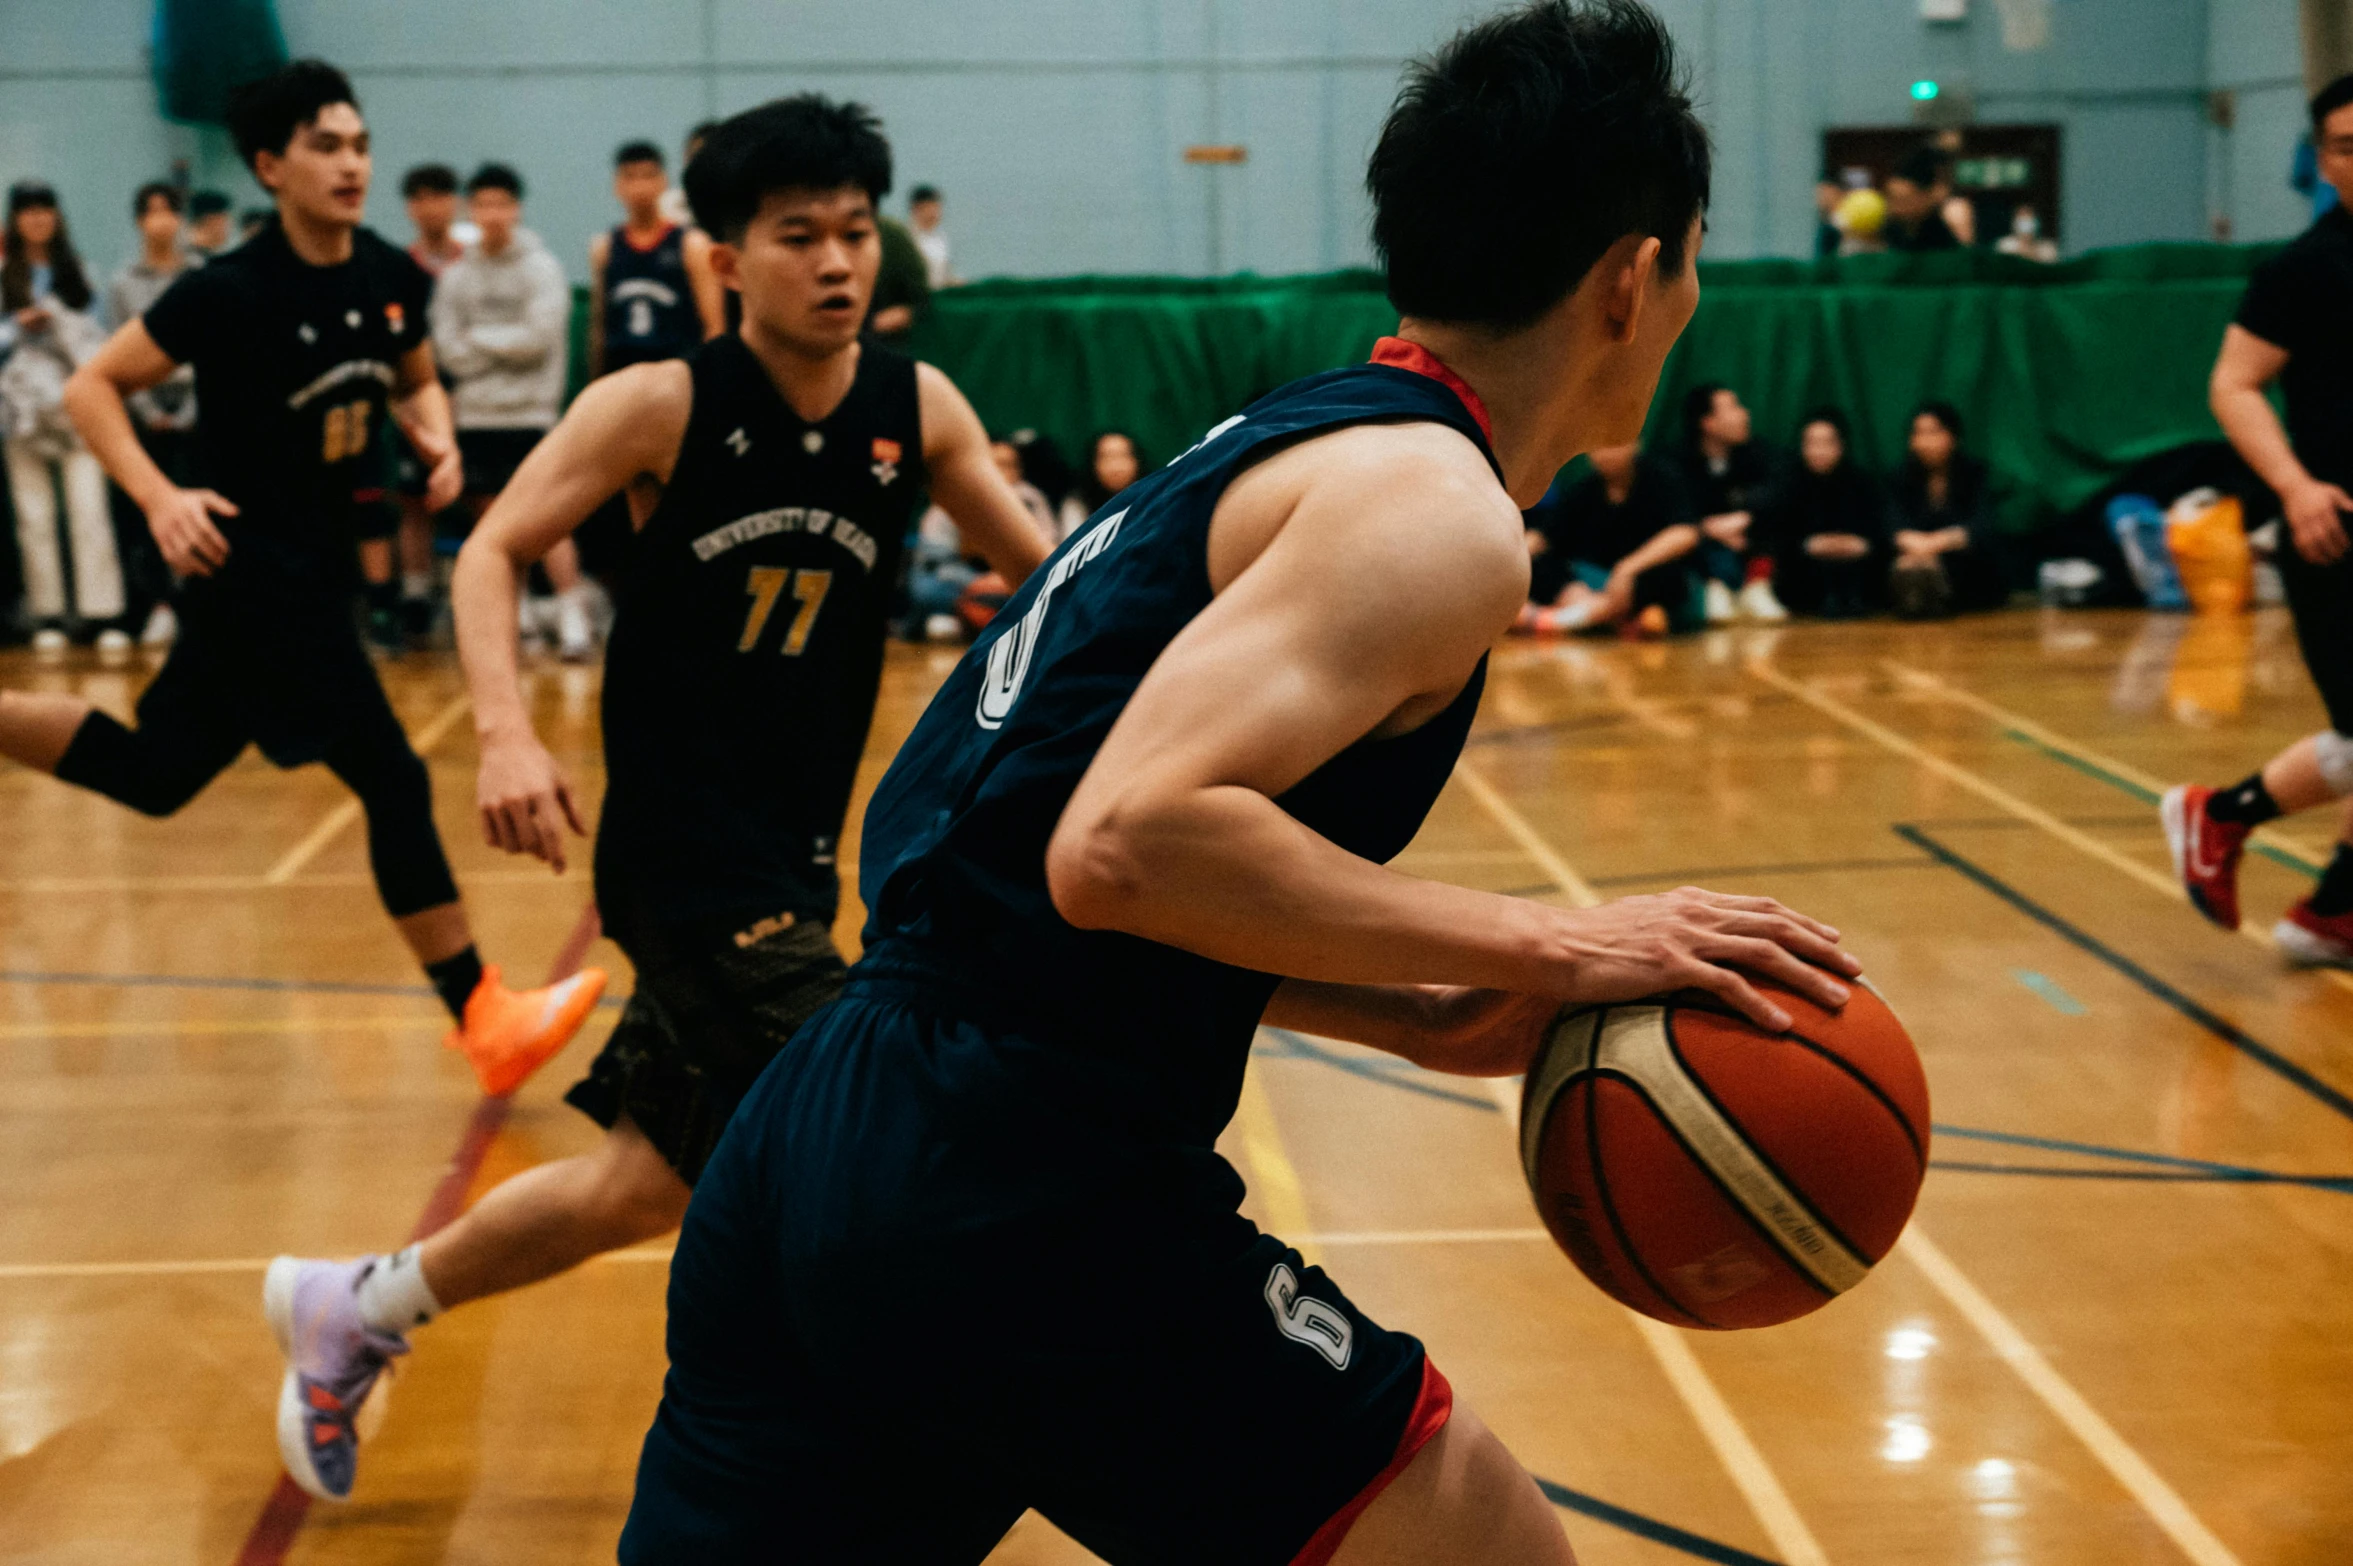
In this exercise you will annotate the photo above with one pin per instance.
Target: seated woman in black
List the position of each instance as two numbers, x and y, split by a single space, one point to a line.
1613 548
1831 527
1941 518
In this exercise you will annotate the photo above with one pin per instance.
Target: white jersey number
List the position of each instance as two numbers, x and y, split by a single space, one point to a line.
1009 656
1305 1319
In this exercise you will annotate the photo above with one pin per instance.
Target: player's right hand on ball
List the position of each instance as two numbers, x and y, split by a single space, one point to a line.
1698 940
182 525
525 800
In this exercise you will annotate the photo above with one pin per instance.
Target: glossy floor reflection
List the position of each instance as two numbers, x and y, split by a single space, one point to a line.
2116 1335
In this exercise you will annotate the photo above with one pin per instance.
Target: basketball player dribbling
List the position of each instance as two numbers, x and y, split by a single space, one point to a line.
774 478
967 1247
302 338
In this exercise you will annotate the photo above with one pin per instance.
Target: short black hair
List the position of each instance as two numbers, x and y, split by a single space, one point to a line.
1943 412
805 142
1698 404
1530 144
265 114
1923 166
495 176
429 179
207 203
923 193
1832 415
152 189
2330 99
639 152
700 131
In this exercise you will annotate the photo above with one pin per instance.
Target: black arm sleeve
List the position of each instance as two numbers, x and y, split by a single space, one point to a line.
185 321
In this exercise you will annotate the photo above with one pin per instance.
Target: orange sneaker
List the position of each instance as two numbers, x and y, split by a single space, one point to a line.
509 1034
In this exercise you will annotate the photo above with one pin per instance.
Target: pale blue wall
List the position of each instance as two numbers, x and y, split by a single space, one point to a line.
1054 125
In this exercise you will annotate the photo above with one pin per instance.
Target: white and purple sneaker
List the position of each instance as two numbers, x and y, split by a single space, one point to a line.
337 1368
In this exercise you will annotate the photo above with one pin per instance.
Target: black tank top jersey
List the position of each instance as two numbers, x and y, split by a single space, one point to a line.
748 644
649 304
953 863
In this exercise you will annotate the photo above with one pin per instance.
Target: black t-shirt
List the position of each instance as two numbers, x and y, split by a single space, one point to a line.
1585 525
295 366
2301 300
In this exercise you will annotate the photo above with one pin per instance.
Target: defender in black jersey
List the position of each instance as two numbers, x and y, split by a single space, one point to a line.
302 339
772 478
968 1247
652 293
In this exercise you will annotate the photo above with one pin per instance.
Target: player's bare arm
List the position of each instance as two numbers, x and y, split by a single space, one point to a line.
710 294
1174 835
620 434
180 519
967 485
600 249
2315 510
420 406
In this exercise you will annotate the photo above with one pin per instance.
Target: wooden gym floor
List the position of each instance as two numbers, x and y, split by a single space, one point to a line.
2116 1334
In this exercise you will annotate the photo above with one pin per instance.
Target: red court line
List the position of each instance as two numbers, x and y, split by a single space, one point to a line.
272 1535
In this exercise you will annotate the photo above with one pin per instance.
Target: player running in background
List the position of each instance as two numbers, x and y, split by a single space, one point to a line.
653 294
301 338
971 1232
774 478
2295 326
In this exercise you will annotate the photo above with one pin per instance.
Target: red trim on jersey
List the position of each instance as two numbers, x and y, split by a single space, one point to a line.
650 245
1400 354
1431 1408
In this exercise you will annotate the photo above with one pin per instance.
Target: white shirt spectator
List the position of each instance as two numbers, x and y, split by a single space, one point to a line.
500 328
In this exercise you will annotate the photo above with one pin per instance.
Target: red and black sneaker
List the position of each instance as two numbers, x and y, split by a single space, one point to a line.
2313 940
2205 852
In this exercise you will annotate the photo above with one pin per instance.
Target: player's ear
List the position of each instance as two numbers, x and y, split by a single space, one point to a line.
727 264
1631 267
267 165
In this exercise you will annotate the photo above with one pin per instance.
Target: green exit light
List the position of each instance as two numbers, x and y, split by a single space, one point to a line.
1923 91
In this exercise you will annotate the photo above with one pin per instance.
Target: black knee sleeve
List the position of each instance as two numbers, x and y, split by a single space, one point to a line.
404 848
134 767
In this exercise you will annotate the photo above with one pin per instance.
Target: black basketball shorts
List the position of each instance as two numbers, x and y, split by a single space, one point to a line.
2321 599
706 1015
924 1286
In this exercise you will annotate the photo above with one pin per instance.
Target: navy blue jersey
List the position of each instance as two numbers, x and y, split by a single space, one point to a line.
953 862
649 304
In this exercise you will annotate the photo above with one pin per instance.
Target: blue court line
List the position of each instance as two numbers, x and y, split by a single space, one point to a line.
2159 1176
198 981
1642 1527
2229 1032
1388 1070
1795 867
2049 989
2173 1165
2147 796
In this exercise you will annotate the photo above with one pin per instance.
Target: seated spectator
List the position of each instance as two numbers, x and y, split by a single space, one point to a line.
46 333
1613 548
2025 239
1941 521
1728 481
1831 525
949 593
1112 465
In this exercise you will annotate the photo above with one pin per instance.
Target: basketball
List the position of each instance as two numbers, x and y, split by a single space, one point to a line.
1710 1174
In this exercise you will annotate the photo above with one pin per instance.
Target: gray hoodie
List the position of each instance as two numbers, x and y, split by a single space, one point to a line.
501 326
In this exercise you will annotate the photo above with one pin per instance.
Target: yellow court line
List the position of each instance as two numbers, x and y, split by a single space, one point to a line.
2141 1481
144 1027
1960 696
1742 1462
2129 1469
2002 799
332 825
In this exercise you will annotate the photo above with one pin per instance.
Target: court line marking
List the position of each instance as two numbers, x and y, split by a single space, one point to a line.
272 1536
1386 1069
2124 1464
217 1026
1650 1528
1742 1462
2050 992
58 886
333 823
2229 1032
198 981
1994 794
2120 775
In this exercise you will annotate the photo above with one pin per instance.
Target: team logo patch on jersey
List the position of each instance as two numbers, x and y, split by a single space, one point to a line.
886 460
739 440
396 318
